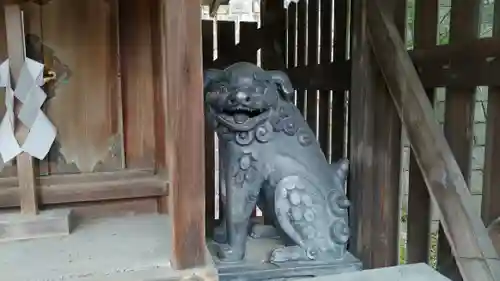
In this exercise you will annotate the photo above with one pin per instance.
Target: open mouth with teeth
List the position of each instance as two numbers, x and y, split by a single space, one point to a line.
243 118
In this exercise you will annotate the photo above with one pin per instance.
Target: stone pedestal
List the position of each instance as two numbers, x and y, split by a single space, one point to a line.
256 268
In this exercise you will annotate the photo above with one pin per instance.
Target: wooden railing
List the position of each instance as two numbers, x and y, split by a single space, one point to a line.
470 244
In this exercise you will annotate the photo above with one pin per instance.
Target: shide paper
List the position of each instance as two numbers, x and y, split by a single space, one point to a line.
29 92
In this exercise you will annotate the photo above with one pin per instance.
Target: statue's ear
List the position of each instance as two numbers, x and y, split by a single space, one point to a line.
210 75
283 82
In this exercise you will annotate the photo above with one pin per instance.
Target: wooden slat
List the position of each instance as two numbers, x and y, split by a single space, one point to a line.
341 12
137 82
248 28
226 34
459 117
60 189
418 223
25 165
326 39
207 27
301 49
291 35
312 58
476 257
182 101
86 109
273 16
490 209
387 154
362 100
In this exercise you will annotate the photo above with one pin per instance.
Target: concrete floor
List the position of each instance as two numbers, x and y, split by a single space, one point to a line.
128 248
410 272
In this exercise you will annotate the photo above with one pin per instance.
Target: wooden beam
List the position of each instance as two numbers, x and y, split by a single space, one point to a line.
16 51
460 52
94 187
471 246
336 75
182 102
362 133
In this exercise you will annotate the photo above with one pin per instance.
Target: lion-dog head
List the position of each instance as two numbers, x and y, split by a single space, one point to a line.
243 95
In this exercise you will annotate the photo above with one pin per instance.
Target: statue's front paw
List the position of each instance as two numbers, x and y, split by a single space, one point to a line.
226 253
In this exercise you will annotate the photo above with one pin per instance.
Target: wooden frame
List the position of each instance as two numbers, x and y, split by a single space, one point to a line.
95 187
473 249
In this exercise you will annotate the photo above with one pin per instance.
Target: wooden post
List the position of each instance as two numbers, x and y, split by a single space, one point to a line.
490 209
30 224
182 101
419 213
360 190
459 117
16 51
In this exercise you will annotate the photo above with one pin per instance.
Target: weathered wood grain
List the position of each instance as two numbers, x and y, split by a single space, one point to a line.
387 162
419 216
491 191
471 246
85 110
94 187
182 102
362 132
136 59
25 163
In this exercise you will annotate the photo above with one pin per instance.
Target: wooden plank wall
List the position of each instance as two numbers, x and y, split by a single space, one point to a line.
462 52
374 152
102 105
103 99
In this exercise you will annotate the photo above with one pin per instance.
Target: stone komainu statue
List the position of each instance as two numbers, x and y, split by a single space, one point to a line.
270 158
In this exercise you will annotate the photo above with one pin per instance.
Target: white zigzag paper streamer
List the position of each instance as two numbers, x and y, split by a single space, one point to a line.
41 131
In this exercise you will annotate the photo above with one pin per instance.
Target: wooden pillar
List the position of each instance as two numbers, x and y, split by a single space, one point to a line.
419 204
387 154
375 154
362 100
182 103
16 51
459 118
